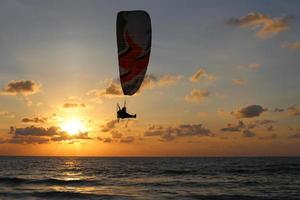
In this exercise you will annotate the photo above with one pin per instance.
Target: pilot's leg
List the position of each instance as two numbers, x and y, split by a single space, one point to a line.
130 116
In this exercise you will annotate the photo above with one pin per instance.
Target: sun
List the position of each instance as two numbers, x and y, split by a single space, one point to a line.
73 126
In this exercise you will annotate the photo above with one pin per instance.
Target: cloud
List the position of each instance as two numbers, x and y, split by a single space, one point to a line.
34 120
291 45
34 131
201 74
128 139
269 137
234 128
117 137
265 122
270 128
116 134
21 87
279 110
197 95
182 130
41 135
28 140
150 82
259 123
6 114
248 133
63 136
109 125
74 105
2 141
221 112
295 136
168 80
254 66
154 130
249 111
239 82
265 25
105 140
114 89
294 110
241 126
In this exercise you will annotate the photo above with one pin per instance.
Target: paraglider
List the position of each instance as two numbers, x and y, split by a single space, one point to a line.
134 46
122 113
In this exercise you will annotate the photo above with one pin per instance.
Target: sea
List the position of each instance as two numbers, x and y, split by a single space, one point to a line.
245 178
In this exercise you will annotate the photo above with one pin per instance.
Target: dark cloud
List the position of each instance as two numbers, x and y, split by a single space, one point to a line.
265 122
107 140
192 130
249 111
279 110
128 139
23 87
40 135
248 133
294 110
269 137
17 139
34 120
265 25
154 130
183 130
246 129
259 123
234 128
74 105
168 137
270 128
113 90
295 136
34 131
2 141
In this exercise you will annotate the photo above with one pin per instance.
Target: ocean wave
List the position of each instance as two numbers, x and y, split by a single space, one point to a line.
60 195
12 180
53 181
265 170
74 195
177 172
231 197
48 181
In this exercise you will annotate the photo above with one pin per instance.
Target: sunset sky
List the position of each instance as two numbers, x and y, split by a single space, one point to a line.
223 79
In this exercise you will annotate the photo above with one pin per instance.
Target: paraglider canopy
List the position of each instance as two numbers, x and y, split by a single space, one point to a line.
134 45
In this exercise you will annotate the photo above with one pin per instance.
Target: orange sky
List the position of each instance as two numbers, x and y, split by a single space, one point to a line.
222 80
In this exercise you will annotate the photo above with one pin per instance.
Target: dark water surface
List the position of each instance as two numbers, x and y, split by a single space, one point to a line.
149 178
